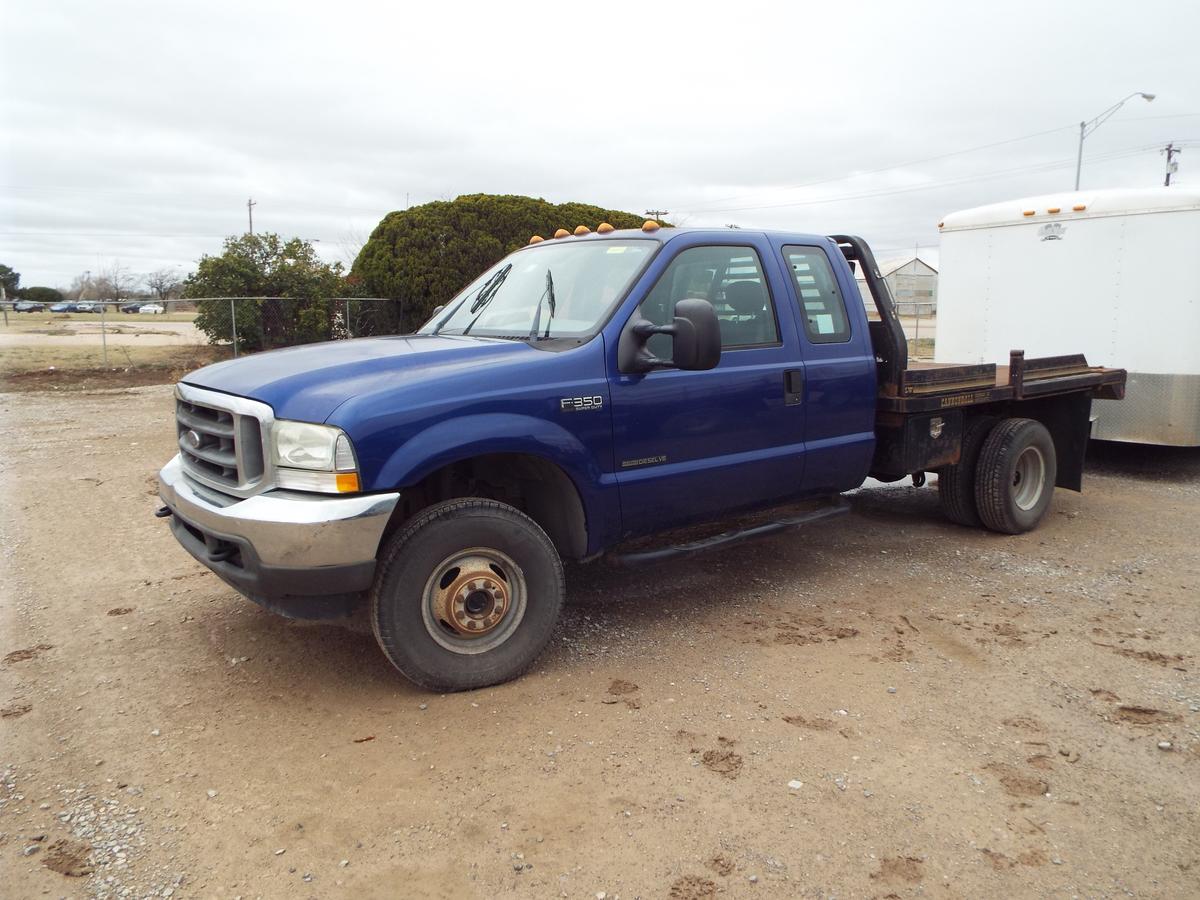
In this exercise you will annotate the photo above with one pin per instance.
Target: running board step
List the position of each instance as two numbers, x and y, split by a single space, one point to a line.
835 507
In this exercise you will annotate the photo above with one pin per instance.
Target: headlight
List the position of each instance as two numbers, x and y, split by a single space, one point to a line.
311 457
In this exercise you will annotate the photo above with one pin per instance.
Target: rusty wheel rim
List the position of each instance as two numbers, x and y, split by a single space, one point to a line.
474 600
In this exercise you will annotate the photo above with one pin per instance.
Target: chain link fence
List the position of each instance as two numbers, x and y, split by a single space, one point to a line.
182 334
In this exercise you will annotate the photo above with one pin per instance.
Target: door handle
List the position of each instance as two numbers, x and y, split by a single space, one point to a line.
793 387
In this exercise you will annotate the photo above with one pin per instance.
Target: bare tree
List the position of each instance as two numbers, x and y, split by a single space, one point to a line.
163 284
114 282
83 286
350 244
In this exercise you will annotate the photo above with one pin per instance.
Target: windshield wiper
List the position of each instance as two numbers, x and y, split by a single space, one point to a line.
482 298
485 296
547 294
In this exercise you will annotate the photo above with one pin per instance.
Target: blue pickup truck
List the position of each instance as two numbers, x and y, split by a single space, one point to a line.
586 391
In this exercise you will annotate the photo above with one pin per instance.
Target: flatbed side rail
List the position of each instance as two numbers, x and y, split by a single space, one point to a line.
958 387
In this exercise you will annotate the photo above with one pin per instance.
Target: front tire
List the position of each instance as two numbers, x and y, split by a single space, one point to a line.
1014 479
466 595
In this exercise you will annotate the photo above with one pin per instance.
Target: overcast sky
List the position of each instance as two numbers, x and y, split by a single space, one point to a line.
136 131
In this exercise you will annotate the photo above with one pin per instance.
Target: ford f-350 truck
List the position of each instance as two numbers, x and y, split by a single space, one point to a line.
586 390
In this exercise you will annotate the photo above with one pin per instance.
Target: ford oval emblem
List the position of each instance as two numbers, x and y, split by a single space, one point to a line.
193 440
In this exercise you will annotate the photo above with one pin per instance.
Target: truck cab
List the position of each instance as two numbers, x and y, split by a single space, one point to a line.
587 389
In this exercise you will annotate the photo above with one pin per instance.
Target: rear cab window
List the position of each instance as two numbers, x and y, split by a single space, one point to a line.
822 306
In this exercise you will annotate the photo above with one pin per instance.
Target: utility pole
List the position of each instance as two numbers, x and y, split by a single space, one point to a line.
250 204
1172 167
657 214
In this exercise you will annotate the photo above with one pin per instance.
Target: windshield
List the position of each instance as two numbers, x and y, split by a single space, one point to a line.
547 291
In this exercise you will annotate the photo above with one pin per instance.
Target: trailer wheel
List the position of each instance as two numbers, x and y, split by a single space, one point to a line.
956 483
1015 475
466 595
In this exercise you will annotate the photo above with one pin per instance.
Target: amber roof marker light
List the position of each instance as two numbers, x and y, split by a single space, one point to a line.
536 239
562 233
604 228
650 225
581 230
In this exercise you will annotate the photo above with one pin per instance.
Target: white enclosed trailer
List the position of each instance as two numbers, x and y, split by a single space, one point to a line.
1112 273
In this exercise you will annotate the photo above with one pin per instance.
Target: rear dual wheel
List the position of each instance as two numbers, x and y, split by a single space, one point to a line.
1015 475
1005 476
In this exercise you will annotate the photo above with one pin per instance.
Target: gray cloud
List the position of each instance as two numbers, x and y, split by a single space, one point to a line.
136 131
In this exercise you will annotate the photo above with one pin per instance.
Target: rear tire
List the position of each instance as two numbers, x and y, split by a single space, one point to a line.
956 483
466 595
1015 475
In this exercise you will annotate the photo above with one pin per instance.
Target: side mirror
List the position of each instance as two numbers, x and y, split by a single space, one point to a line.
695 337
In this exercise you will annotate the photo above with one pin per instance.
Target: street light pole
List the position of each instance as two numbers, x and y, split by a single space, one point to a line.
1086 128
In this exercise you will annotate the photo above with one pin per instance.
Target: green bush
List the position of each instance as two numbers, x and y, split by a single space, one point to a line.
45 295
422 256
263 265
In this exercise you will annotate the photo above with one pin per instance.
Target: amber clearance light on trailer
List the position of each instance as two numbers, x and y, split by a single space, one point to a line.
1028 212
1079 207
1054 209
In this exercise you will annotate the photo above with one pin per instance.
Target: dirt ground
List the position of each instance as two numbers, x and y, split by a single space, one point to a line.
884 705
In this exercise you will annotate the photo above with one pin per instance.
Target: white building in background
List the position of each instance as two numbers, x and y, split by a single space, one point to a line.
913 283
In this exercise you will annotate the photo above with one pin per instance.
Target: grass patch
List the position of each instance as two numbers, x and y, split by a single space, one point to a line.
82 368
921 349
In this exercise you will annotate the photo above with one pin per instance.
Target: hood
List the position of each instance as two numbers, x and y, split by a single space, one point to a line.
308 383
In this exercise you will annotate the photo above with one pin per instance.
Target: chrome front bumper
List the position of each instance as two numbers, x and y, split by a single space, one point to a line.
280 544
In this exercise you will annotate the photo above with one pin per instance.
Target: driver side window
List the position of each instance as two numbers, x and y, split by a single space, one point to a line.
731 279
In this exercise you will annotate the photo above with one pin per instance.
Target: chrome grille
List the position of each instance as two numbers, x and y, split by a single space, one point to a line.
220 439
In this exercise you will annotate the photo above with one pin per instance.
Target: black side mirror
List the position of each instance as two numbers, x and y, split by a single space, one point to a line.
695 336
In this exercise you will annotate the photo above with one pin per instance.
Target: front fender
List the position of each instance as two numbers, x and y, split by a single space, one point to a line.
461 438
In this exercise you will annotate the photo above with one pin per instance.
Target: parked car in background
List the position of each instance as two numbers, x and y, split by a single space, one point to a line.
64 307
132 308
28 306
153 308
89 306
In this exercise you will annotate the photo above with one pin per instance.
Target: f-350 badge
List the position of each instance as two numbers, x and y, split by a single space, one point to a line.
581 404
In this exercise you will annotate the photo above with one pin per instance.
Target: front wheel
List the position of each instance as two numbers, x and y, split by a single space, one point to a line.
466 595
1015 475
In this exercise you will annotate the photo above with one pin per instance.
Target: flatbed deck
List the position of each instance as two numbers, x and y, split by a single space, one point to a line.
927 386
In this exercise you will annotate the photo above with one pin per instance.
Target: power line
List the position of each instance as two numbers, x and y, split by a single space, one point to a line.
1036 168
915 162
927 159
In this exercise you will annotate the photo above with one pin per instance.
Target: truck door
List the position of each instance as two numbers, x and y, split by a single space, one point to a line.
840 377
692 445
